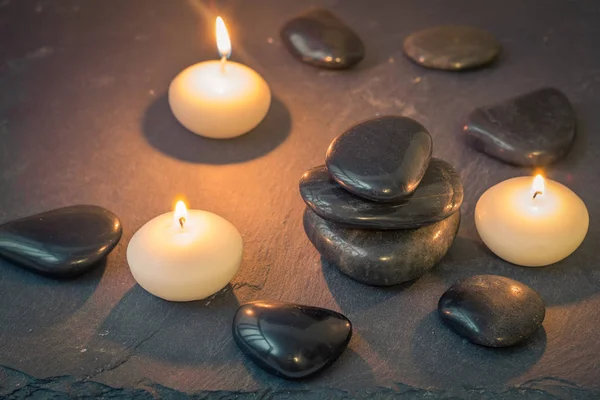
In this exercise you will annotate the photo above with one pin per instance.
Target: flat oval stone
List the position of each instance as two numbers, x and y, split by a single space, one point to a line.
492 311
452 47
533 129
381 159
290 340
381 258
321 39
439 195
61 243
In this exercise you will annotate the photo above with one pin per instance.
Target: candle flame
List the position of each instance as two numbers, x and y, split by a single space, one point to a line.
537 188
180 214
223 42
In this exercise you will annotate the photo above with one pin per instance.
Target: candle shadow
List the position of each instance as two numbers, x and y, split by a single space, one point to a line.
31 302
446 359
194 333
166 134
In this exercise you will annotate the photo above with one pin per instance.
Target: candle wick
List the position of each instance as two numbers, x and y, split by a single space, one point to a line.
536 193
182 221
223 62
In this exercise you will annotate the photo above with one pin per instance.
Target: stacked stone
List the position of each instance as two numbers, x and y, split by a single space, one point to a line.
382 209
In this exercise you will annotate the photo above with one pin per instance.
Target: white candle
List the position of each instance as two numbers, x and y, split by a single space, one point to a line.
531 222
185 255
219 99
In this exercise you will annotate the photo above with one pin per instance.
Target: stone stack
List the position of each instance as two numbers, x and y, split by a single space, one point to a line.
382 209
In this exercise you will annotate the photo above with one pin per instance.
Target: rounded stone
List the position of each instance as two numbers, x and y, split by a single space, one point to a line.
290 340
492 310
451 47
61 243
533 129
439 195
381 159
381 258
321 39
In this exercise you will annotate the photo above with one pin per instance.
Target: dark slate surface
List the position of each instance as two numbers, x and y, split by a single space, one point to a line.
84 119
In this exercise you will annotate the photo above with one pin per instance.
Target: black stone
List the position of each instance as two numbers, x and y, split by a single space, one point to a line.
381 258
61 243
533 129
381 159
439 195
451 47
492 311
321 39
290 340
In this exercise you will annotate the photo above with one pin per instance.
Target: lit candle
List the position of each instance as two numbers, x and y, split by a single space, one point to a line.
531 222
185 255
219 99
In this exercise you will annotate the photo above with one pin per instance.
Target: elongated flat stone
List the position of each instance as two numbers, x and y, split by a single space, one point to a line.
533 129
381 258
492 310
381 159
290 340
321 39
451 47
438 196
61 243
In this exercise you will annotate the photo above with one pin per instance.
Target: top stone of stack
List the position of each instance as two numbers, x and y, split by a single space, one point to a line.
382 159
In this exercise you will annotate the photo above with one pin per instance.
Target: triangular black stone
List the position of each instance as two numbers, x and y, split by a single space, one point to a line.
290 340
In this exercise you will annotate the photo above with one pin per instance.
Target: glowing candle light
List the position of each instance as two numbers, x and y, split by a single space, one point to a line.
185 255
531 222
219 99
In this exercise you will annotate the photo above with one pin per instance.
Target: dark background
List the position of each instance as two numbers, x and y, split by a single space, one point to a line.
84 119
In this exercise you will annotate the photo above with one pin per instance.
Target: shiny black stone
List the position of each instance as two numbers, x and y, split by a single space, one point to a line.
381 159
451 47
381 258
439 195
61 243
290 340
321 39
534 129
492 311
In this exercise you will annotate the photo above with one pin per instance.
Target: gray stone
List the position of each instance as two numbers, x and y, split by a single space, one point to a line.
61 243
533 129
381 258
452 47
321 39
492 311
381 159
439 195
